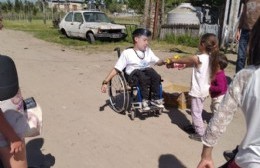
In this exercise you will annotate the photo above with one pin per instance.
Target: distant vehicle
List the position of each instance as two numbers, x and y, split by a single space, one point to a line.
91 25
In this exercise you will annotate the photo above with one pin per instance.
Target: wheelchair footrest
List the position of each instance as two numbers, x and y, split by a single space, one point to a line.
137 105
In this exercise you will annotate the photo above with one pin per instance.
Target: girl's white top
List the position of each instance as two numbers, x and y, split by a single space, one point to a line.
200 77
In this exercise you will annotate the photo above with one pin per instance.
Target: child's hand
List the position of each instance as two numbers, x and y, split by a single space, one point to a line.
170 65
16 147
180 66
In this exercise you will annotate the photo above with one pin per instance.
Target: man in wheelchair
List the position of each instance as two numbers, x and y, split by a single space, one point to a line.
137 62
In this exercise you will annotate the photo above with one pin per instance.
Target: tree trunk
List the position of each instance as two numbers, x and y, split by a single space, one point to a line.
146 13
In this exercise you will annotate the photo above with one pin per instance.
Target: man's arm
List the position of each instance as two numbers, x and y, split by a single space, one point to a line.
240 24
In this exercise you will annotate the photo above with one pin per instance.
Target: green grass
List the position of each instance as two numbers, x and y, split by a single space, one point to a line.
48 33
182 40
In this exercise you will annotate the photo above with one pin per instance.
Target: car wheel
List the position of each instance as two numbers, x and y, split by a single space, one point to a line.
63 31
90 38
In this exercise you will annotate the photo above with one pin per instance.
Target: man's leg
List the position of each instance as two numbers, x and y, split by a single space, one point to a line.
242 49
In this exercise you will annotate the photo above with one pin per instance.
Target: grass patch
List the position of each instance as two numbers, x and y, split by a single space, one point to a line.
48 33
182 40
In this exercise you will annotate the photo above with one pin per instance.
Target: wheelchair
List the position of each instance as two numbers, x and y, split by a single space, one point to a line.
125 98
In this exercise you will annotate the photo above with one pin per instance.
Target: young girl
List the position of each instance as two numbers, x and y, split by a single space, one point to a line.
218 85
200 80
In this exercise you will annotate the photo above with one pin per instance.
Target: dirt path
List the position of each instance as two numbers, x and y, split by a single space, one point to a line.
78 135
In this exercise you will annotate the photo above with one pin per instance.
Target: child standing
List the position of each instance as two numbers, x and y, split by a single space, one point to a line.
200 80
218 85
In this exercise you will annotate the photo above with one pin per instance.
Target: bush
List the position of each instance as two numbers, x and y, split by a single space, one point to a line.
182 40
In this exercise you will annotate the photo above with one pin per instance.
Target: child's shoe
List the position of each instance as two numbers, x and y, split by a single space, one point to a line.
145 104
158 103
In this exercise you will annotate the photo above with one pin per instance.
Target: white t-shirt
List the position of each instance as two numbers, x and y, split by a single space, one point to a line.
131 60
200 78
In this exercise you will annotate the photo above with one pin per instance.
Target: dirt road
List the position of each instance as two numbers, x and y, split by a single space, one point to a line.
77 134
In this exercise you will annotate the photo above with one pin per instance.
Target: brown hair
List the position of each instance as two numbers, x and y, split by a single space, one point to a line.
218 60
210 42
254 45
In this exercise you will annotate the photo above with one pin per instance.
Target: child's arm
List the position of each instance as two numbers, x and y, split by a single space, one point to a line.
107 79
16 143
160 63
189 60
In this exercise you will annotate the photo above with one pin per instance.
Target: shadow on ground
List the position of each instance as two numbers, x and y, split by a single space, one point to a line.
178 117
170 161
35 157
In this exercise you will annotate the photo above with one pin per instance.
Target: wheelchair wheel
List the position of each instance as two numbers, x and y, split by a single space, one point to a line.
118 93
160 111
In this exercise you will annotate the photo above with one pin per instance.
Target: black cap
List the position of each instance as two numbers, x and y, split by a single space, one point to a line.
9 84
141 32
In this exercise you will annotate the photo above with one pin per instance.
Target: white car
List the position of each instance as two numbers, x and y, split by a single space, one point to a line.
91 25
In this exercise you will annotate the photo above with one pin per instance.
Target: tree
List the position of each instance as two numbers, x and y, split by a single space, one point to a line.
137 5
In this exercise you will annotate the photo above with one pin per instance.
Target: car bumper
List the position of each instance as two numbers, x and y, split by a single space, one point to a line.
111 35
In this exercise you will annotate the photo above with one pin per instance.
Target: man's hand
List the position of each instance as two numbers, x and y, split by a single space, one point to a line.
238 33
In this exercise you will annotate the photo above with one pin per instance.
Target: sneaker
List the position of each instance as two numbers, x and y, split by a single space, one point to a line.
145 105
158 103
230 154
195 137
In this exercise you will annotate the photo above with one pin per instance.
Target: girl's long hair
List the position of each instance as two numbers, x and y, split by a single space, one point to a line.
210 42
254 45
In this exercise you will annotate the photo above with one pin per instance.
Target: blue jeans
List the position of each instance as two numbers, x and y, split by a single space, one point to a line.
242 49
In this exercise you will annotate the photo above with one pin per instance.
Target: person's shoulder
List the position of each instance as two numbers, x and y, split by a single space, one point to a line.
128 50
245 73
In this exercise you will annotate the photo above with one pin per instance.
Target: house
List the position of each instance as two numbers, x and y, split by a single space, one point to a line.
67 5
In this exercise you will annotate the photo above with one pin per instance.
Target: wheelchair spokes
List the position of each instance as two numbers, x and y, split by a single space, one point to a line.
119 96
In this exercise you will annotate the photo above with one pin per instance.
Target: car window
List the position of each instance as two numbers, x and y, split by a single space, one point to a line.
101 17
68 18
88 17
78 17
95 17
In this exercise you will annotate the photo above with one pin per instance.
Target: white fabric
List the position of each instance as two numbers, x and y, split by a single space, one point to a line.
200 78
129 59
215 102
243 92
